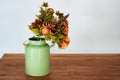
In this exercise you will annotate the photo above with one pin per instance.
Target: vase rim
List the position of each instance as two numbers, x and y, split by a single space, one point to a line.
37 39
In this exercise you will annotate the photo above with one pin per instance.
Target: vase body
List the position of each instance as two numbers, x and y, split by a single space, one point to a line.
37 58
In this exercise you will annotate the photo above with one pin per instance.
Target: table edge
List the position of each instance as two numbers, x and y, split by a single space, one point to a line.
74 54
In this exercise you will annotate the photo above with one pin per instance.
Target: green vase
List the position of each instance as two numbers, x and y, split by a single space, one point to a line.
37 58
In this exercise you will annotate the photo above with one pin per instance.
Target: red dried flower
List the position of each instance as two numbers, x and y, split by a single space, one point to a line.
65 31
65 23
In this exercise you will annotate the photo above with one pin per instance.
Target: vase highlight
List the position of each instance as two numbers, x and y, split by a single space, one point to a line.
37 58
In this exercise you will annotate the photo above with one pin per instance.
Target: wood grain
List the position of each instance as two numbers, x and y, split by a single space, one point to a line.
65 67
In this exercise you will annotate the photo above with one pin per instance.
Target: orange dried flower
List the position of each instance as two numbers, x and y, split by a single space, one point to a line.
45 30
64 43
67 40
50 10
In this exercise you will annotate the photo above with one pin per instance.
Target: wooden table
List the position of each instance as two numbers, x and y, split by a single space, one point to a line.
65 67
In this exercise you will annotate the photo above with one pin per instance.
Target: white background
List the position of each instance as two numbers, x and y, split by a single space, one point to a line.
94 25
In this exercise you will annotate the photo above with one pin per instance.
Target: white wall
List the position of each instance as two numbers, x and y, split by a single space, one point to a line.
94 24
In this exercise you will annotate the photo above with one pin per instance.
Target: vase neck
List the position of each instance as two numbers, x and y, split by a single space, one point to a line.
40 42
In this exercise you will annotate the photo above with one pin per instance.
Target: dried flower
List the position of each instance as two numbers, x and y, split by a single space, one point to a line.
50 10
53 25
45 30
45 4
67 40
64 43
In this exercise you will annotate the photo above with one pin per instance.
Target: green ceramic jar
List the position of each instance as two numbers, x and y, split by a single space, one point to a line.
37 57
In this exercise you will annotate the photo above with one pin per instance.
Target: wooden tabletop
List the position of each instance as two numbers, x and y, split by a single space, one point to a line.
65 67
